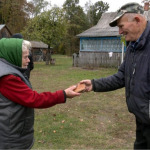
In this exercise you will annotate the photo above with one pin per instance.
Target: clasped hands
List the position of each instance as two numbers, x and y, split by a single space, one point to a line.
71 91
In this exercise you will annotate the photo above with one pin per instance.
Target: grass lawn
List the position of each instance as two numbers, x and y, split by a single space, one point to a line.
91 121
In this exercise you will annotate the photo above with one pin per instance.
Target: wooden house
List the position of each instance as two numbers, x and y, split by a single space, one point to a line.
39 50
100 45
4 31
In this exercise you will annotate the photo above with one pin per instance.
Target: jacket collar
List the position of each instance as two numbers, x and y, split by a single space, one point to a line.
144 37
22 70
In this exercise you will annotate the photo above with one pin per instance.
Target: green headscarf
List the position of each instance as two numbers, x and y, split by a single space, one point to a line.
11 50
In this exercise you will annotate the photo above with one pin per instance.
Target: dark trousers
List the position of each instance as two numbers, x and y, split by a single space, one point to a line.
142 136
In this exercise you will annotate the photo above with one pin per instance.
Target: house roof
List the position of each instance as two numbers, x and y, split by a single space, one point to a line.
38 44
102 29
2 26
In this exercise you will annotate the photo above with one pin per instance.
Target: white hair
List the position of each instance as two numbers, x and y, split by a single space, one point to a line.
131 16
26 46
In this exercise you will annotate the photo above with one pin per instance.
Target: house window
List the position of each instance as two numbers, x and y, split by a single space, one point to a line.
112 44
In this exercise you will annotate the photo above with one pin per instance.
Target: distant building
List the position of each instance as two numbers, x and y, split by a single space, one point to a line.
100 45
39 50
4 31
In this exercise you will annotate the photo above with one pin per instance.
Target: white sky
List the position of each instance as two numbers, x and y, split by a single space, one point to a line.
114 5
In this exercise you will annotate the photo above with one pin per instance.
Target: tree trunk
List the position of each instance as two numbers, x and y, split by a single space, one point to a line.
48 55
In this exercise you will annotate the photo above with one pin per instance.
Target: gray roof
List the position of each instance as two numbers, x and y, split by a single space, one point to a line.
2 26
102 28
38 44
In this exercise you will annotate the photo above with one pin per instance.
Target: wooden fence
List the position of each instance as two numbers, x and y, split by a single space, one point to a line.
97 59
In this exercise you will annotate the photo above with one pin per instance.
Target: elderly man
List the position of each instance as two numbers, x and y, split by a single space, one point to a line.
134 72
17 99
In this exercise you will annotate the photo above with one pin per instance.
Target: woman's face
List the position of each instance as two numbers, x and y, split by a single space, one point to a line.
25 59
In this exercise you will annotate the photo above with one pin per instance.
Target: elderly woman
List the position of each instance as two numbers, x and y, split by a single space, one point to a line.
17 99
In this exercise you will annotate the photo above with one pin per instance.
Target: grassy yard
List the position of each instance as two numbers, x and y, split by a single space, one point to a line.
91 121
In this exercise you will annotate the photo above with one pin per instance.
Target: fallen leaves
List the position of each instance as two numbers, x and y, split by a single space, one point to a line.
41 141
54 131
63 121
40 131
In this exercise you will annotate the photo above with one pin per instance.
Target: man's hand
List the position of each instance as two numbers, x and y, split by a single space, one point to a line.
88 85
70 93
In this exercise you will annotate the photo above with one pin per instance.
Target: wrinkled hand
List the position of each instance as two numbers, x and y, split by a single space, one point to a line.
88 85
70 93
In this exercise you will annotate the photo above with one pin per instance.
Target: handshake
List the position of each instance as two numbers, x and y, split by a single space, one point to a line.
76 90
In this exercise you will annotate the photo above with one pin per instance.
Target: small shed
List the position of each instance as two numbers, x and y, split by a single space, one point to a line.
100 45
39 50
4 31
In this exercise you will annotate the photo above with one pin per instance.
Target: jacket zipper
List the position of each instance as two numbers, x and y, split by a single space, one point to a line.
132 71
149 109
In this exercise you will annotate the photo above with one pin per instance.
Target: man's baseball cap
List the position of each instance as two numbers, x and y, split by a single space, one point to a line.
127 8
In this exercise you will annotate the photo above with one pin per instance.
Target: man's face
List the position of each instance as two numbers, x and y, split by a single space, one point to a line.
129 29
25 59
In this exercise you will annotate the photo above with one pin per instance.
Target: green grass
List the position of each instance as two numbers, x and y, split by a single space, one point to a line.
91 121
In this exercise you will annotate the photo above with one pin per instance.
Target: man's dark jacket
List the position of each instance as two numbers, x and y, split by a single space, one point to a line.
134 75
16 121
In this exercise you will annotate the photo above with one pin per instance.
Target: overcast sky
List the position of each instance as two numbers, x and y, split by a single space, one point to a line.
114 5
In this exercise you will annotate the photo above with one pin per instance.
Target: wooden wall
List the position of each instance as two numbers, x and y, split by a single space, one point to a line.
38 54
4 33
